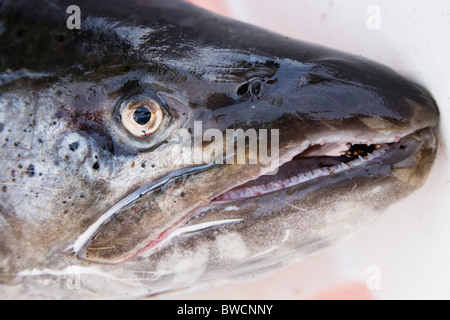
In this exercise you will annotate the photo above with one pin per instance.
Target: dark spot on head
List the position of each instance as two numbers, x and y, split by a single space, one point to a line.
40 140
30 170
4 188
182 194
143 164
16 144
96 166
73 146
19 166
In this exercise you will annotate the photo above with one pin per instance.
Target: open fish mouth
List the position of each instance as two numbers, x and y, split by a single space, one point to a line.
315 162
313 165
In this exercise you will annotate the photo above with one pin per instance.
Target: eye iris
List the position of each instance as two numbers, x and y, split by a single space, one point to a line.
142 115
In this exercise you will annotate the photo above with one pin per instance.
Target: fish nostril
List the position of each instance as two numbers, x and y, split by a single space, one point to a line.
243 89
256 87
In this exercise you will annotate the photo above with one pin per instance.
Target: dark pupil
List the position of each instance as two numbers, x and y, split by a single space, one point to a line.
142 115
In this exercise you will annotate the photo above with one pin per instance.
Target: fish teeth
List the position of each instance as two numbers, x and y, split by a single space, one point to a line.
268 187
249 192
279 185
261 189
294 180
233 194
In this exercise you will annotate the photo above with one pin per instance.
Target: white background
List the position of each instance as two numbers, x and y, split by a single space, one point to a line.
410 244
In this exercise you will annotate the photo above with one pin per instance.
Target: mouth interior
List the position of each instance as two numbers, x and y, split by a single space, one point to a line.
314 162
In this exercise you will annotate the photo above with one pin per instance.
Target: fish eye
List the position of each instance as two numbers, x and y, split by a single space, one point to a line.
142 116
